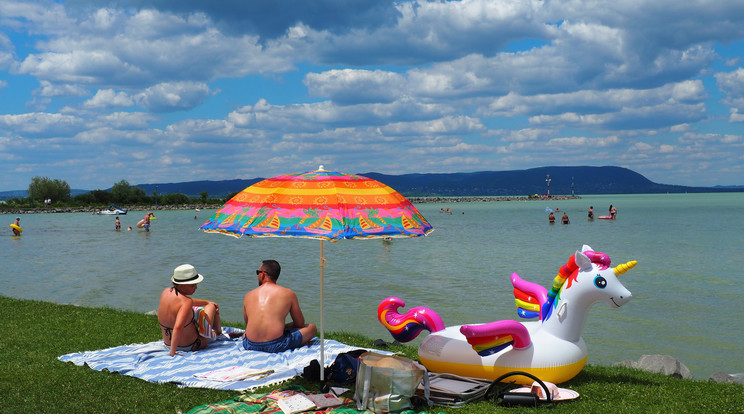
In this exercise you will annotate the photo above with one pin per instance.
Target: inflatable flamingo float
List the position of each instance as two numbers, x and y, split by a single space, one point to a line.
550 347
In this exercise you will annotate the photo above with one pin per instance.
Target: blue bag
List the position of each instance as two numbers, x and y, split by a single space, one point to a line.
344 368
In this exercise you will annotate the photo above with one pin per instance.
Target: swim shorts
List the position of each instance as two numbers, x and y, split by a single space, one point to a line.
291 339
203 327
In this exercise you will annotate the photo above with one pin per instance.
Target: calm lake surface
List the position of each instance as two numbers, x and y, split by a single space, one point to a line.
686 288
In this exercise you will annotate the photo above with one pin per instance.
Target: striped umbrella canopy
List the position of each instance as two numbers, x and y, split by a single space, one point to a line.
319 204
324 205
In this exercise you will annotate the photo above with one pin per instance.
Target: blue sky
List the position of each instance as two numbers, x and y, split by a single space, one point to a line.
179 90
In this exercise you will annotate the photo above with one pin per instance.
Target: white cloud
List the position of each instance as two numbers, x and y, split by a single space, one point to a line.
596 101
41 124
583 142
353 86
442 126
173 96
127 120
312 117
7 53
108 98
732 85
49 89
736 116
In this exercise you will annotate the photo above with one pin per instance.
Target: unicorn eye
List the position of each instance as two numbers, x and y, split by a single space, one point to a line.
600 282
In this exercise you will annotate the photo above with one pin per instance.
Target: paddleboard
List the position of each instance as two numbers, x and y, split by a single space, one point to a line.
16 227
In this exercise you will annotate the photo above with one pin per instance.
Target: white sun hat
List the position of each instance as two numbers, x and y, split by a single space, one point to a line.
186 275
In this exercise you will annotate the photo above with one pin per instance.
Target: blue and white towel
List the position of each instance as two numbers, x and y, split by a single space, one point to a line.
152 362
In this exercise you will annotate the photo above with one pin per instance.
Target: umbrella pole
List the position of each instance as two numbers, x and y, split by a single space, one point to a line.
322 330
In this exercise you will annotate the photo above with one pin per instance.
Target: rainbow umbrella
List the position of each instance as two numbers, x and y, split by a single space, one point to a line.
322 205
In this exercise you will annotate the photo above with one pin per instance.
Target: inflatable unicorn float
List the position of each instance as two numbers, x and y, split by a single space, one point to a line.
550 348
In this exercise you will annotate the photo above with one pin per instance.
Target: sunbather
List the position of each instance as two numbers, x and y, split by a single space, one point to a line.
187 324
266 307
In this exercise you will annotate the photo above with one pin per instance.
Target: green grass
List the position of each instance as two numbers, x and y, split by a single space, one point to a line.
33 380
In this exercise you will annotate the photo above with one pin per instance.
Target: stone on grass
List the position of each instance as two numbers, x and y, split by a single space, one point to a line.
661 364
724 377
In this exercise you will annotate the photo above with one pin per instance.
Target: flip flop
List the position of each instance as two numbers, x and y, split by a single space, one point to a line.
556 394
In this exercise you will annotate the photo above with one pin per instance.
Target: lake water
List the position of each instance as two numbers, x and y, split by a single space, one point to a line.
686 287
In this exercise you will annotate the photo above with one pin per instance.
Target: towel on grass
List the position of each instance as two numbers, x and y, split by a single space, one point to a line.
152 362
267 404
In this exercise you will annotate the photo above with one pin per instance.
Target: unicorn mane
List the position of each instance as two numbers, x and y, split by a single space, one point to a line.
568 273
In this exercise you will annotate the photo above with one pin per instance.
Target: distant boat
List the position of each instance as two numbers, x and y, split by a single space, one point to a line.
113 210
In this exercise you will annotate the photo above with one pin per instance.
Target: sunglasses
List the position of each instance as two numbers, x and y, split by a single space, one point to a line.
258 272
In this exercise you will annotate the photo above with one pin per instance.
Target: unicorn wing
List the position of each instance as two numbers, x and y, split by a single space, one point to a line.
490 338
529 298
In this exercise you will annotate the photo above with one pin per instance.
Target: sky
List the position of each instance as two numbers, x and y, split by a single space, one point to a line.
163 91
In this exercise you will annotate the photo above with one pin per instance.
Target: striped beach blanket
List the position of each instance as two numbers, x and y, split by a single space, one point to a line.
224 364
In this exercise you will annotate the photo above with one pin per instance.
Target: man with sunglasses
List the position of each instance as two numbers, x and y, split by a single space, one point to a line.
265 310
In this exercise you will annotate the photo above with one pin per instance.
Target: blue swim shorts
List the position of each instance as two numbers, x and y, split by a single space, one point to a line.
291 339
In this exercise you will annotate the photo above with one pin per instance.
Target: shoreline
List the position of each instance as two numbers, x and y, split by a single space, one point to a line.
473 199
414 200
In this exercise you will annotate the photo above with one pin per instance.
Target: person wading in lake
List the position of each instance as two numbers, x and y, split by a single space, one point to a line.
17 223
564 219
265 309
187 324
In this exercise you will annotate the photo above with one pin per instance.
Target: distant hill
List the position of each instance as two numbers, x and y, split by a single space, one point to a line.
564 181
585 180
214 189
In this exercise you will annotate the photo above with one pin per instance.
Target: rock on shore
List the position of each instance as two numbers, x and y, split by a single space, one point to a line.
672 367
662 364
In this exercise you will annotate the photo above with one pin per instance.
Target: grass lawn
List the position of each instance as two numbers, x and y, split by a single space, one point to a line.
33 380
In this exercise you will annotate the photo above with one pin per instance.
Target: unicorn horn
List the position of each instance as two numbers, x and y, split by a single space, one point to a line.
620 269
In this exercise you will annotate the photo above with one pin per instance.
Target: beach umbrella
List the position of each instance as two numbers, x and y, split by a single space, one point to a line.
323 205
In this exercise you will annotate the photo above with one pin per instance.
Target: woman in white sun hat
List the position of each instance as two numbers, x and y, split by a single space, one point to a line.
187 324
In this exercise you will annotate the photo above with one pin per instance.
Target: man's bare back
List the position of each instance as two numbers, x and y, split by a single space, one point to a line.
266 307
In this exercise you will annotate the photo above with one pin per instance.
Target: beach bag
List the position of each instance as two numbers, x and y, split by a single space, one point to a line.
386 383
342 371
345 366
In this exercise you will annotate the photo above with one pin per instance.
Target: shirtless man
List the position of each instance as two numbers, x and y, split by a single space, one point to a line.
17 224
265 310
147 221
187 324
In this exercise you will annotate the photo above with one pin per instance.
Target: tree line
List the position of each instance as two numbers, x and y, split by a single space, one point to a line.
43 189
